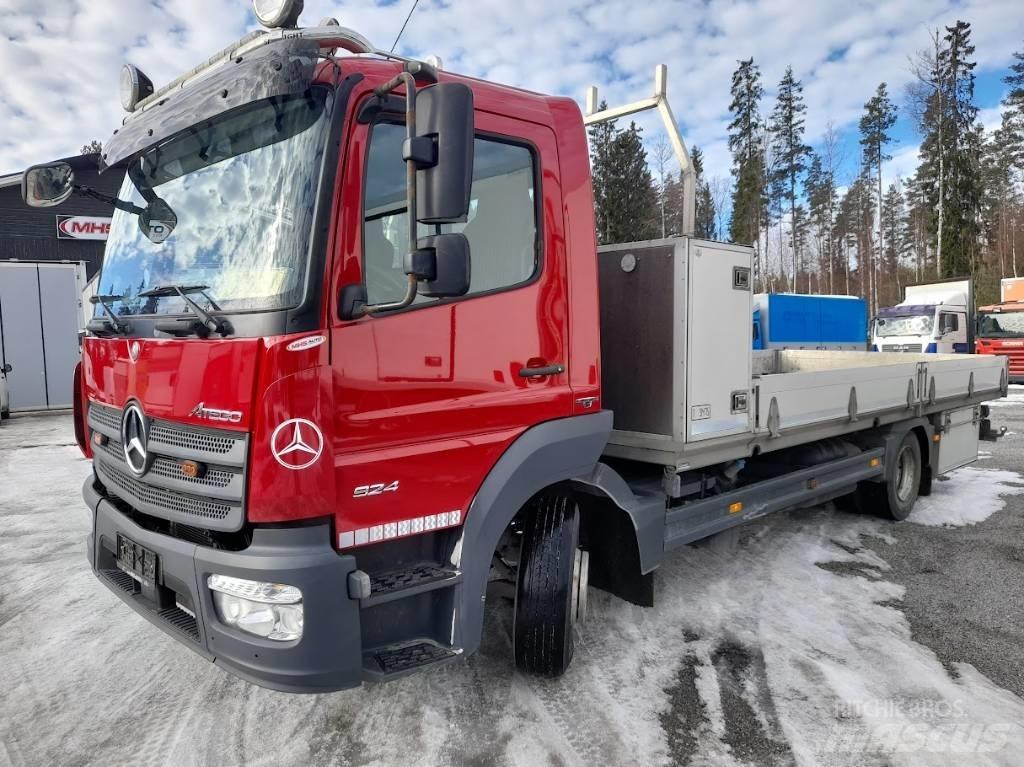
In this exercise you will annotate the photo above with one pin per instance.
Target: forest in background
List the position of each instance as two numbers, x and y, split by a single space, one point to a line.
960 213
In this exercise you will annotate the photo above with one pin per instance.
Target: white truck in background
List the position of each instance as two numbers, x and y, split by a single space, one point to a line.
933 318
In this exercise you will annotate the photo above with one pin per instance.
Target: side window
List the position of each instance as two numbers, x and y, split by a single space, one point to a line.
948 322
501 227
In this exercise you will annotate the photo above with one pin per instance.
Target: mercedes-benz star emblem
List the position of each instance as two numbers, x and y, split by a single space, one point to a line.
133 351
296 443
134 439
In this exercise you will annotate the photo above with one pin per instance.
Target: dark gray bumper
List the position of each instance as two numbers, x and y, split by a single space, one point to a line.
327 657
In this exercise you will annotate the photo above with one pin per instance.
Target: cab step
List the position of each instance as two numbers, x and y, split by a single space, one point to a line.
391 661
409 581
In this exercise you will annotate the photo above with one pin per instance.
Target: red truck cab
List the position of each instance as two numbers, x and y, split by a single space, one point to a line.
305 489
1000 331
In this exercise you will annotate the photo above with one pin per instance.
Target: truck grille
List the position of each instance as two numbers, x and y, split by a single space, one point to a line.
213 501
173 435
151 496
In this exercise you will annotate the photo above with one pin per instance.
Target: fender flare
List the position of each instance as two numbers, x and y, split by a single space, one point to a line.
544 455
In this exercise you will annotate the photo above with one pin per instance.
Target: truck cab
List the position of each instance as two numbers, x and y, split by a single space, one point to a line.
292 363
933 318
1000 331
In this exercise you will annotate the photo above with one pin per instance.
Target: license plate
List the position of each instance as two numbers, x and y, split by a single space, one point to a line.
138 561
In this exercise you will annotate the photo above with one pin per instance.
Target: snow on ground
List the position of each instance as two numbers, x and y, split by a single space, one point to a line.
967 496
777 643
1014 398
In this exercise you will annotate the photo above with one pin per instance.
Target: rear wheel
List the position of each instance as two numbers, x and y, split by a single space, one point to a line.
895 498
551 586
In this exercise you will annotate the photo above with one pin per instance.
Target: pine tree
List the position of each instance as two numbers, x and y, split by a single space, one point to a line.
892 227
917 224
927 98
820 190
93 147
745 130
629 198
602 138
1013 113
674 204
704 222
878 119
964 143
1000 203
843 232
787 134
951 150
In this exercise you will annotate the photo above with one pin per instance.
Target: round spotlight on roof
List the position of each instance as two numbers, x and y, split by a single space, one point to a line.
435 61
277 13
135 86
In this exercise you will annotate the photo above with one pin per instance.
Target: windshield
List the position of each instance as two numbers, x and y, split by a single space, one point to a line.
241 190
1009 325
914 325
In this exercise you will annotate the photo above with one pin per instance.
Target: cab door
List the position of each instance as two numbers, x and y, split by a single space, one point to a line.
953 333
428 398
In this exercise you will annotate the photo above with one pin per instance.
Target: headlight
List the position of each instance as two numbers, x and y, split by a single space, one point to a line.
277 13
270 610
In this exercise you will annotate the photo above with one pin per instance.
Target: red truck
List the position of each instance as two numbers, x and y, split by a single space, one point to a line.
1000 327
1001 332
354 357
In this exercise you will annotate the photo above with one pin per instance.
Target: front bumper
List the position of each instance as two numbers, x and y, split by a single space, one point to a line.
327 657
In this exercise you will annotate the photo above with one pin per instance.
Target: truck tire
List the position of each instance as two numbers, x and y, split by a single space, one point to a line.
551 586
895 498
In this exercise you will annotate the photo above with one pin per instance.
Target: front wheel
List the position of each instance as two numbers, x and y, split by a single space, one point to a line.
895 498
551 585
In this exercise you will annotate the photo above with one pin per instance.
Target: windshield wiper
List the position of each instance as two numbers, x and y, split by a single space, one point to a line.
209 322
101 325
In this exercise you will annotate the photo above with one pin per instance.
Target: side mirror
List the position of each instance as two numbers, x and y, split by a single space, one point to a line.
444 118
442 264
157 221
46 185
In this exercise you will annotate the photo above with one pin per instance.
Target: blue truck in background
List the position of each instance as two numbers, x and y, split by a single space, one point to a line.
796 321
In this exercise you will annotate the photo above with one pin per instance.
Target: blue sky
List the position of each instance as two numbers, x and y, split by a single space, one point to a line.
59 59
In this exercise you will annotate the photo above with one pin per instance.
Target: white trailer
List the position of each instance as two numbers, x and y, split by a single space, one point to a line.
718 433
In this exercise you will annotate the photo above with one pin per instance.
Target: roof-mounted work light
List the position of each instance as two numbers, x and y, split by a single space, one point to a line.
135 86
277 13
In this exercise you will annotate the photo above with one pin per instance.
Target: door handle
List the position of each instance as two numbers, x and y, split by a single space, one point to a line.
548 370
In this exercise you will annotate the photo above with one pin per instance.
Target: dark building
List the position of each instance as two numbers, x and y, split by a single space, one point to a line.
72 231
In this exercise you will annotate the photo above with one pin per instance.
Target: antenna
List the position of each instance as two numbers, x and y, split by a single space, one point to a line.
404 24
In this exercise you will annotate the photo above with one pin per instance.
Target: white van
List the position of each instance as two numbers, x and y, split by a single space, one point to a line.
932 318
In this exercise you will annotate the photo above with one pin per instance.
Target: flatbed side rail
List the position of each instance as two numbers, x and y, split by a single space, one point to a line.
916 408
816 484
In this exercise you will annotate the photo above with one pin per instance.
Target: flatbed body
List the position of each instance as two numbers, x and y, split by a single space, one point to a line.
671 361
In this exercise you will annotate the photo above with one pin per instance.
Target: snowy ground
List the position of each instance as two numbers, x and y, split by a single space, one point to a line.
811 638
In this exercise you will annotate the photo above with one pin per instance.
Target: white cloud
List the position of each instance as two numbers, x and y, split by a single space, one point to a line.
60 58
